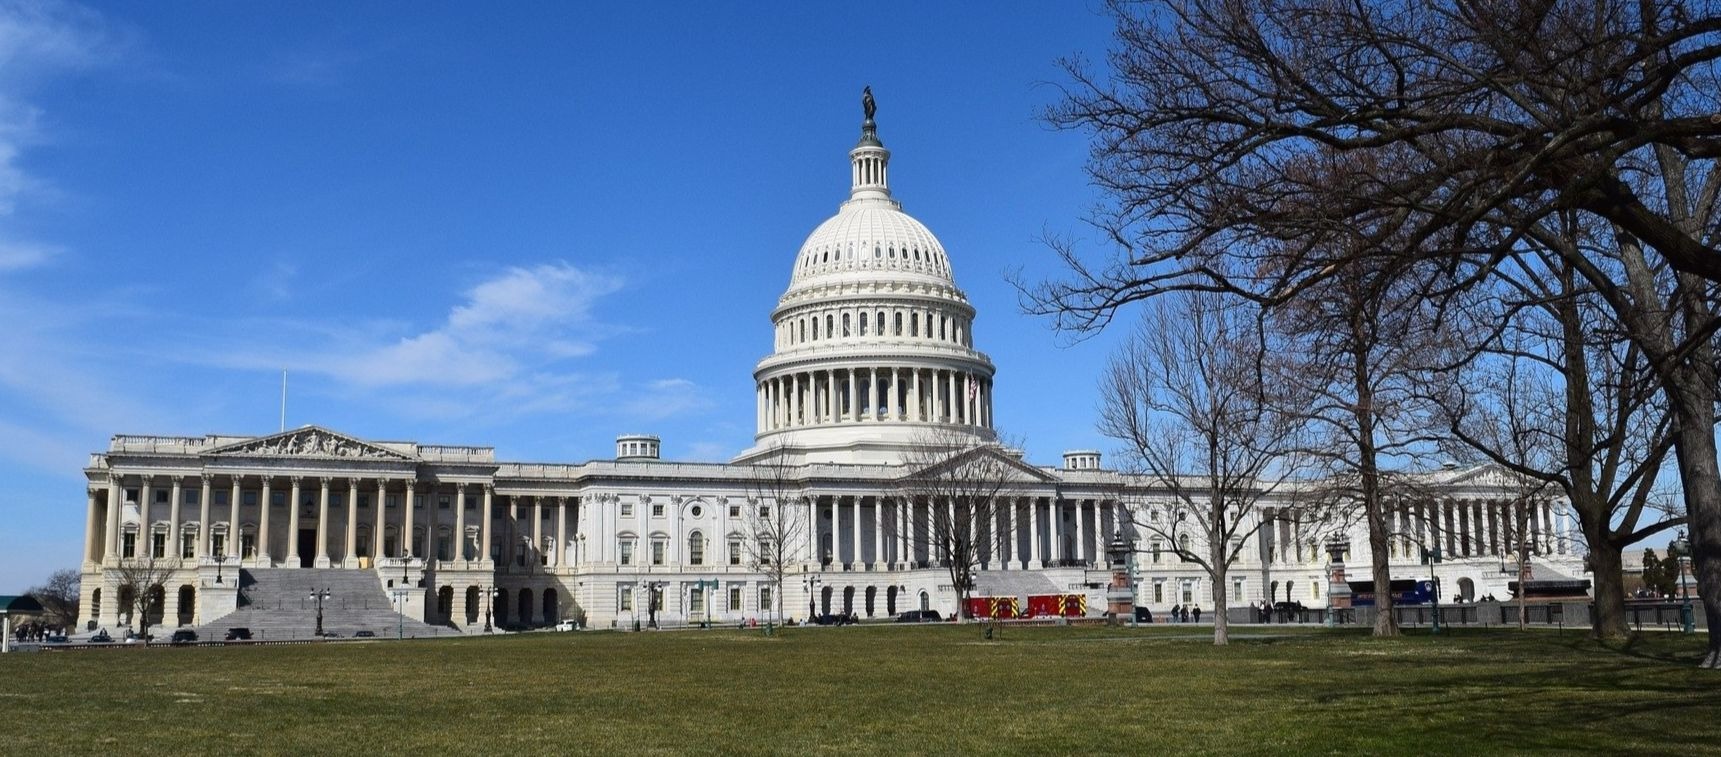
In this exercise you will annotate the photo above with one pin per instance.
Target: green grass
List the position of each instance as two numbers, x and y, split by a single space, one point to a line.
916 690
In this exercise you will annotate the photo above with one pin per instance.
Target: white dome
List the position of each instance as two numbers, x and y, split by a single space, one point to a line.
871 235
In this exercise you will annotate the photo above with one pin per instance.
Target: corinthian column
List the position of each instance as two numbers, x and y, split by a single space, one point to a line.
233 498
267 557
349 557
484 525
460 523
293 524
203 515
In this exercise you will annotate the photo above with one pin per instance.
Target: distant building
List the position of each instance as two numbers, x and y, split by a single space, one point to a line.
873 346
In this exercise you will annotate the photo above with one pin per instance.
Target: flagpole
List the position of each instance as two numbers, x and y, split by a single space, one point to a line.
283 399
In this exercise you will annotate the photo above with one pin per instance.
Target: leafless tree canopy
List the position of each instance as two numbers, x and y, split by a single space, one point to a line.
1292 136
1187 398
59 598
962 484
776 517
142 579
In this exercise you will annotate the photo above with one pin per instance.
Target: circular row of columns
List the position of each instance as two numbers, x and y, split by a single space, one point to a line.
907 532
926 395
515 545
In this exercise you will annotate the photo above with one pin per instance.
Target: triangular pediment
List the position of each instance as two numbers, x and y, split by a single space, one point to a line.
1005 467
308 442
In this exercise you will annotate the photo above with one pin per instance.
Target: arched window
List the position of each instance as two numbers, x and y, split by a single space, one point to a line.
898 325
846 331
914 324
863 324
696 548
878 323
830 326
803 331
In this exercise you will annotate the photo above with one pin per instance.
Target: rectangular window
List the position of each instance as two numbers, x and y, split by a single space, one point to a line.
765 599
657 510
1159 592
1188 592
1237 589
764 511
277 499
247 546
128 545
696 551
158 545
734 599
161 496
221 496
657 551
734 551
248 497
1156 549
764 551
445 503
364 501
626 599
192 495
657 600
336 498
218 544
734 511
187 546
131 495
627 509
696 601
391 502
626 552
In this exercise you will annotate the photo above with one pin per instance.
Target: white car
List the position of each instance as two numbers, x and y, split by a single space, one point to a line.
567 625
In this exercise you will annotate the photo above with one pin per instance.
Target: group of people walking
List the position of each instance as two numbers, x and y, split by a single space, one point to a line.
1186 613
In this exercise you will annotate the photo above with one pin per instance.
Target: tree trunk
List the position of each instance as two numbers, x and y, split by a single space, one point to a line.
1608 620
1221 624
1369 473
1695 450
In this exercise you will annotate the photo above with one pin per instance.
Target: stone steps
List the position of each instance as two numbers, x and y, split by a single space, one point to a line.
275 603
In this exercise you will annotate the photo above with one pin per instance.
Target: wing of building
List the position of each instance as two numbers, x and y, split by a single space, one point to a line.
873 356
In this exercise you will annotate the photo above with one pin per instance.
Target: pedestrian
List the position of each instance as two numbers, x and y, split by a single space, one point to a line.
1198 613
1185 617
1175 609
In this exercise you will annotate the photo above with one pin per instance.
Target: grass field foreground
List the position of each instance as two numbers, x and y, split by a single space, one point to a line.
907 690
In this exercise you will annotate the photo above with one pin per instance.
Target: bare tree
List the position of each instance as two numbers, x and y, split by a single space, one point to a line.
59 597
143 581
963 481
1187 398
776 517
1238 139
1561 397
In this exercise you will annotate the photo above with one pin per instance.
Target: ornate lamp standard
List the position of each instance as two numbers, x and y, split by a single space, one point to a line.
812 583
489 596
1338 589
1431 558
319 597
1687 619
219 559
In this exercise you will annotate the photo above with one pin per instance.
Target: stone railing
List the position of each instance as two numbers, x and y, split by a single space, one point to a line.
454 453
162 444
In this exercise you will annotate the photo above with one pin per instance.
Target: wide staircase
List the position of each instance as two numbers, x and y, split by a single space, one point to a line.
276 604
1013 583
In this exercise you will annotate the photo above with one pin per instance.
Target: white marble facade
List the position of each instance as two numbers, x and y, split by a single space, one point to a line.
873 345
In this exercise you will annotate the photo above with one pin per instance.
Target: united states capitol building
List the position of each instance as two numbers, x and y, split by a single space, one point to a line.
873 346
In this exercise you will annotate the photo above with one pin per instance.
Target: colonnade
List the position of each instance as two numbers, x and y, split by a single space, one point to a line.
236 519
1460 527
871 394
1021 533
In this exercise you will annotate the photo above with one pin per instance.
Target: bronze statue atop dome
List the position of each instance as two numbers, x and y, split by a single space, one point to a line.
867 103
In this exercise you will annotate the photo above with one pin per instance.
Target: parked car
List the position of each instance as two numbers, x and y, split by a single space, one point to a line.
920 616
836 620
238 634
183 637
331 634
102 637
55 639
1143 615
365 635
567 625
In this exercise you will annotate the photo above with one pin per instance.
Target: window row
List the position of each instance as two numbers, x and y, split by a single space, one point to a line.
738 553
908 257
870 322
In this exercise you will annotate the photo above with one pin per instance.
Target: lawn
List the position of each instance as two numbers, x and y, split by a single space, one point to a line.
914 690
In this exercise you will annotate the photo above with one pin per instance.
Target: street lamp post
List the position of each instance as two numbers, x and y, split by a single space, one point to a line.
219 559
489 602
400 614
318 597
1687 618
812 603
1432 558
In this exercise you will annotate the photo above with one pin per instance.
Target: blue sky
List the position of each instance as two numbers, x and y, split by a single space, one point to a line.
531 227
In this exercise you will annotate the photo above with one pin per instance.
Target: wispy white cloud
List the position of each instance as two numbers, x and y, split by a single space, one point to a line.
39 40
666 398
